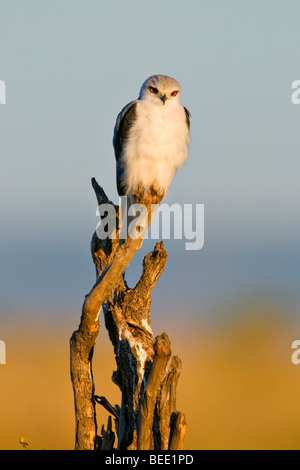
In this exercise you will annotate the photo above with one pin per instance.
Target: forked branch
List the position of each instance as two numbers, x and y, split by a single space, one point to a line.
145 374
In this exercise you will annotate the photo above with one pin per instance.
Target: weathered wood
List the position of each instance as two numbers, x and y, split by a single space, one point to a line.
127 318
110 408
145 374
179 430
107 436
157 374
81 352
83 340
166 403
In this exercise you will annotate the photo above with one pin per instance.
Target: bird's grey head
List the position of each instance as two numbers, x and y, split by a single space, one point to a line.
160 89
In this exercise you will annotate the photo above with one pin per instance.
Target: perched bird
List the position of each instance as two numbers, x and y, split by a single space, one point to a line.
151 140
151 137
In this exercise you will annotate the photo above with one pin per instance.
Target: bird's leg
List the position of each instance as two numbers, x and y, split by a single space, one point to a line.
149 197
154 188
155 194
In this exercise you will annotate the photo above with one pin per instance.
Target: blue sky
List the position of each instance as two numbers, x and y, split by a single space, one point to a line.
70 66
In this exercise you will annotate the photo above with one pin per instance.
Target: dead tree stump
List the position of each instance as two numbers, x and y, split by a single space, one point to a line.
146 374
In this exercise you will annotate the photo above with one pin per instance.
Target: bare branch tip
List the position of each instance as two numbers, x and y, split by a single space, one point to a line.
162 345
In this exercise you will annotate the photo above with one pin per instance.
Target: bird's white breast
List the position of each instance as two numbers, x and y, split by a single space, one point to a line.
157 145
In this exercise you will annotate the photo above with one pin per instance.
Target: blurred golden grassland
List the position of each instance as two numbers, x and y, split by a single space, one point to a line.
238 388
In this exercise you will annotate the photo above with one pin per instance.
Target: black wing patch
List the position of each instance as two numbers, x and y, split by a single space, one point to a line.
187 117
125 120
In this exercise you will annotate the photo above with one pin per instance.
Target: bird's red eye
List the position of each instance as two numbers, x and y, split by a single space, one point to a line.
174 93
153 90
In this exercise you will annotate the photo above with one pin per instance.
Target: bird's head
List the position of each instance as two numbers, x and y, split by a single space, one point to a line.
160 89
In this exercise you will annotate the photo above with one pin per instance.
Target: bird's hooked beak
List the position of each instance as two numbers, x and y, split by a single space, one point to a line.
164 98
